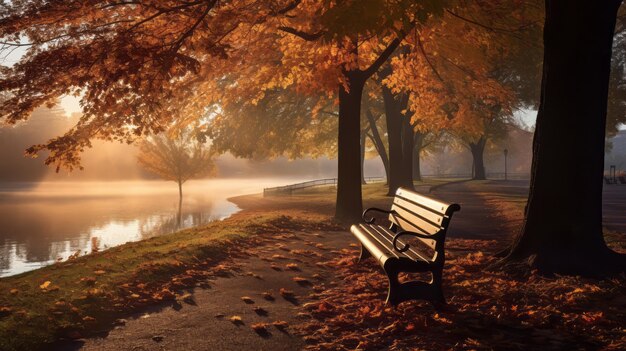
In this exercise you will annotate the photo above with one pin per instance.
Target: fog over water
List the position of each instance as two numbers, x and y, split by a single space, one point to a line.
47 216
48 221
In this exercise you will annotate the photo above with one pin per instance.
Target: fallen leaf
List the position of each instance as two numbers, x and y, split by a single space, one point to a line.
247 299
236 320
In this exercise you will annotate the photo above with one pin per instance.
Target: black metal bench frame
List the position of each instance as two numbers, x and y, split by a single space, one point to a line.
429 223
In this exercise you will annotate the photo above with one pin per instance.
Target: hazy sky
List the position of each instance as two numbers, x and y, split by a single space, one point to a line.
70 105
528 117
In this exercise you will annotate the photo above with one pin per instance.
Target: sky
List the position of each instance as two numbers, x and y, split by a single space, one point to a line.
71 105
526 116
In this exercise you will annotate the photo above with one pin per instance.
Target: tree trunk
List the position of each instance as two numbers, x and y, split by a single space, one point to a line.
179 216
394 105
478 150
407 151
378 142
363 136
418 144
562 230
349 203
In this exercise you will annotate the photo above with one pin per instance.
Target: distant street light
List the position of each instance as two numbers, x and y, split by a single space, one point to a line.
506 152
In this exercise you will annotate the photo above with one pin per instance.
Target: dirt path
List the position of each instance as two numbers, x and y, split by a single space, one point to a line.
203 320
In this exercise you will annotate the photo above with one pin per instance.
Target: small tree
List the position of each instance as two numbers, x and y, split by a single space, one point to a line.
177 156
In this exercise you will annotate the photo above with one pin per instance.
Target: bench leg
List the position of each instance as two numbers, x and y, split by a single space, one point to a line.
413 290
438 297
393 294
364 254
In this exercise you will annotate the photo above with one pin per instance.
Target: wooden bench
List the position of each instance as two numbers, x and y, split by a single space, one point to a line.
412 216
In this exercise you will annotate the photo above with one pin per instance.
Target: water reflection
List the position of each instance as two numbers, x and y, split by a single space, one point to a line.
55 220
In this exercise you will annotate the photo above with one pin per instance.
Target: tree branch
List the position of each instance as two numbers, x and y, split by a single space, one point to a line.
289 7
373 68
301 34
493 29
421 47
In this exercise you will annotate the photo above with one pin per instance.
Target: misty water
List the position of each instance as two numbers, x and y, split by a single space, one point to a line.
41 223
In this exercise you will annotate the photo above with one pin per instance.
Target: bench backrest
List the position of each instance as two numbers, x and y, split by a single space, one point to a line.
421 214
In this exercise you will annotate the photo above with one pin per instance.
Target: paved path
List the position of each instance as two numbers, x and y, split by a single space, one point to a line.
614 207
481 212
203 322
476 220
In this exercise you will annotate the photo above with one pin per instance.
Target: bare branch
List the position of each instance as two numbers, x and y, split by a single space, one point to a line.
421 47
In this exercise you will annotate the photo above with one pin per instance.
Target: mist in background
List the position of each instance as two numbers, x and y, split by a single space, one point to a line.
116 161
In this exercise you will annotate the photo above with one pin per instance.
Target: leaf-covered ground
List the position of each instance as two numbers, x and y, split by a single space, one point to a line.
487 310
289 270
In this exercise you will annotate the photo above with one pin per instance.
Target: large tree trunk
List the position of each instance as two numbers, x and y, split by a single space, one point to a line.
407 151
562 231
394 105
478 163
378 142
349 203
418 144
363 136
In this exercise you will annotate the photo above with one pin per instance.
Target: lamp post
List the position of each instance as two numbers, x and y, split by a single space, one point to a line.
506 152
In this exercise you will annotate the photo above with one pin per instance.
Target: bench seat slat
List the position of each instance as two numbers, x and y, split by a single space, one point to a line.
380 238
378 250
388 235
411 228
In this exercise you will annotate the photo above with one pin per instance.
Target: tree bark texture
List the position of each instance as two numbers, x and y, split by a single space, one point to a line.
394 105
363 139
562 229
349 204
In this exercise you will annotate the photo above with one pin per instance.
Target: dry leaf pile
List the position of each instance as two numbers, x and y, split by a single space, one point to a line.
486 310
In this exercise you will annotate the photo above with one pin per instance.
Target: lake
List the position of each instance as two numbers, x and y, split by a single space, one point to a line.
41 223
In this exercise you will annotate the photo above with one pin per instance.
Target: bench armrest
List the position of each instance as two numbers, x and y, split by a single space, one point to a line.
406 245
372 220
